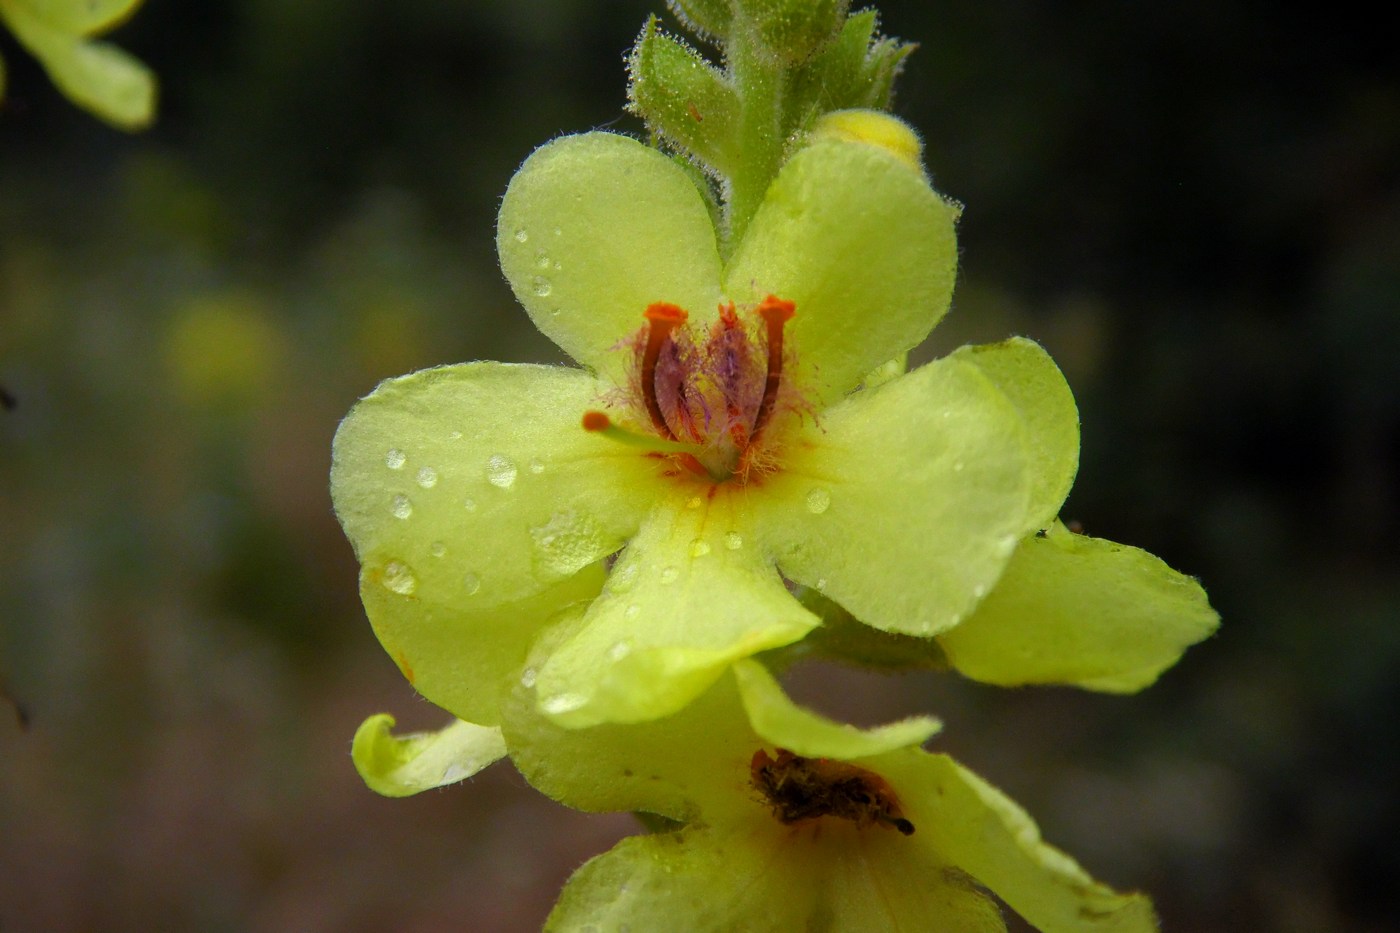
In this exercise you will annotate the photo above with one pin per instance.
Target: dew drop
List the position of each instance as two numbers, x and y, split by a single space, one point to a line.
733 540
521 235
501 471
527 678
818 501
619 650
437 549
469 504
427 477
395 459
632 611
455 436
694 502
542 260
622 578
536 467
699 548
958 466
1006 545
821 585
471 583
979 590
541 286
563 703
669 575
401 508
398 578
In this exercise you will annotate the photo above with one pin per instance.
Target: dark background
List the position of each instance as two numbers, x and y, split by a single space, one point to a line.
1194 206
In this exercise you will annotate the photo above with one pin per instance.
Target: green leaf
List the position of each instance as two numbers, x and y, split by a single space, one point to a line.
95 75
1027 376
685 99
864 247
593 229
81 17
1077 610
400 766
908 503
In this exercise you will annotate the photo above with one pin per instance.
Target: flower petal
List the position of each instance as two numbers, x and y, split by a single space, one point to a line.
460 658
400 766
984 833
678 766
748 872
594 228
1026 375
785 724
864 247
1077 610
474 486
686 599
906 503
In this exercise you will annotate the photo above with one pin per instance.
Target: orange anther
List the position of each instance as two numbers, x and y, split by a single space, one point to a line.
776 310
663 312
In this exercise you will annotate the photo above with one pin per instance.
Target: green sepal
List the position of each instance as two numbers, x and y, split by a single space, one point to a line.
81 17
683 98
400 766
844 639
708 19
792 30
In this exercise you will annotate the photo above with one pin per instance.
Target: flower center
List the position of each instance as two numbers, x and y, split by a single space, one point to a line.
708 399
800 789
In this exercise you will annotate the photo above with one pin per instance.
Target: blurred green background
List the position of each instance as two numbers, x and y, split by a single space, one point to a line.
1194 206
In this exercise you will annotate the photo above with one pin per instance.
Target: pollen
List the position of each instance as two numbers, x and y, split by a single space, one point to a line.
800 789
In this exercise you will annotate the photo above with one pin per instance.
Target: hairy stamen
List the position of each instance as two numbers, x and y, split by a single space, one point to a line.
662 318
599 423
775 312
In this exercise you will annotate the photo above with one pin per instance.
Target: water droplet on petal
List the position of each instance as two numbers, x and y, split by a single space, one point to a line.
619 650
427 477
501 471
694 502
401 508
541 286
622 578
733 540
958 466
521 235
398 578
821 585
437 549
669 575
455 436
1006 545
536 467
632 611
527 678
453 773
471 583
469 504
979 590
395 459
542 260
699 548
818 501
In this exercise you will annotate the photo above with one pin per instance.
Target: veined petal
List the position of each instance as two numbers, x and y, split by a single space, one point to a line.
399 766
460 658
778 720
1026 375
984 833
689 596
906 502
865 248
596 227
1077 610
476 486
